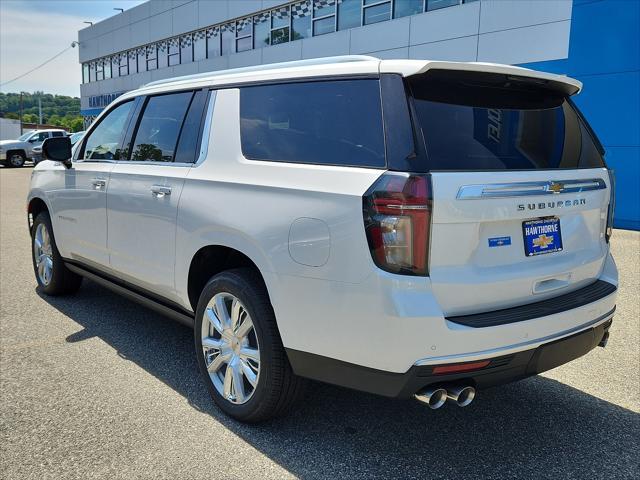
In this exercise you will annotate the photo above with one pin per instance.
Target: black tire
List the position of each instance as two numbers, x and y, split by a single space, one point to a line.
12 162
277 388
63 281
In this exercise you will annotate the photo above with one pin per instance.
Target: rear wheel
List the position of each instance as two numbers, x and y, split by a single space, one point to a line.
53 277
239 350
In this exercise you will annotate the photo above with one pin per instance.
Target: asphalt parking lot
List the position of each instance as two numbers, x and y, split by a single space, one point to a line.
94 386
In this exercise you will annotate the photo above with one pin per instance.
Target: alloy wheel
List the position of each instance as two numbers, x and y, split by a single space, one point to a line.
16 160
230 347
43 254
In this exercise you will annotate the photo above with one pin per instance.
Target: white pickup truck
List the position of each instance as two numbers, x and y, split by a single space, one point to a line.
14 153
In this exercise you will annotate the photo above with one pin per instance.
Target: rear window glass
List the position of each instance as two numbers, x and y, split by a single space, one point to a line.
496 127
325 122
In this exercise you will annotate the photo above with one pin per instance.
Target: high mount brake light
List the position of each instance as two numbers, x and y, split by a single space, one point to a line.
397 220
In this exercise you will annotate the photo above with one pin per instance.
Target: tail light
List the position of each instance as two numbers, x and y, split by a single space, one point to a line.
612 205
397 220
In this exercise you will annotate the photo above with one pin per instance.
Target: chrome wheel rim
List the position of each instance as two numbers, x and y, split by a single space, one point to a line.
43 254
16 160
230 347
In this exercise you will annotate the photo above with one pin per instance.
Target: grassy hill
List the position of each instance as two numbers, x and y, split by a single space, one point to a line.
56 109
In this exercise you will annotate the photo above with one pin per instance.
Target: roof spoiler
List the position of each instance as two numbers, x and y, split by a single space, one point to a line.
559 83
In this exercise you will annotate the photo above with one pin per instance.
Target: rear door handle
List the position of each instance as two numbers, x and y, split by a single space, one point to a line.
98 183
160 191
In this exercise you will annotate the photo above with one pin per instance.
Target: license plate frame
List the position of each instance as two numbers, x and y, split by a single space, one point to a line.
541 236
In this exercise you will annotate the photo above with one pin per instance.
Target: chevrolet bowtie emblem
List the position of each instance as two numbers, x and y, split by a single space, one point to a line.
543 241
556 187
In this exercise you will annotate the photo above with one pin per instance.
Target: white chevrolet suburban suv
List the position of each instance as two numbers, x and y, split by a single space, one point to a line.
409 228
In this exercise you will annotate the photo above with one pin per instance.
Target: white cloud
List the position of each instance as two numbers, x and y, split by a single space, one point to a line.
28 38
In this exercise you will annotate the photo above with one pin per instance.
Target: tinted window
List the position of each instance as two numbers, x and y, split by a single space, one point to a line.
159 127
501 126
39 137
104 141
334 123
57 134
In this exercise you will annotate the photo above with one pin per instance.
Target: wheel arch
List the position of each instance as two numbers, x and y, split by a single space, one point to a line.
212 259
35 206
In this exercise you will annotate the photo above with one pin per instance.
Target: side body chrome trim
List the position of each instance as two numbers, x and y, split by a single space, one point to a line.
525 189
506 350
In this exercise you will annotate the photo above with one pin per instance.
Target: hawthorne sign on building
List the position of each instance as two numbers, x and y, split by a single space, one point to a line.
157 40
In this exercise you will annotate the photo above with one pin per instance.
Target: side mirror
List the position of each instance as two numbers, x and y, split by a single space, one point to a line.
57 149
33 140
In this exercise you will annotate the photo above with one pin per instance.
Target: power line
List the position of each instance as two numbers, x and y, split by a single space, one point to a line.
73 44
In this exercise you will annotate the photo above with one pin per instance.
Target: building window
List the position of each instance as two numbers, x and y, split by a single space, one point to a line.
99 71
301 20
280 20
173 52
227 37
404 8
106 67
186 48
261 30
92 72
213 42
200 45
133 62
244 34
85 73
152 57
115 66
324 16
349 14
376 11
141 56
438 4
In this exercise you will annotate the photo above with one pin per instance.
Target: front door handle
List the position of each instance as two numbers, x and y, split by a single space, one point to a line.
160 191
98 183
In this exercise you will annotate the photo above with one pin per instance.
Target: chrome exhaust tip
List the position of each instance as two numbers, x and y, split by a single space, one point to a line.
434 398
461 395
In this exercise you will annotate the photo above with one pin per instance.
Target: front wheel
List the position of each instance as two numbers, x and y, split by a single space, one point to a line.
239 350
53 277
16 159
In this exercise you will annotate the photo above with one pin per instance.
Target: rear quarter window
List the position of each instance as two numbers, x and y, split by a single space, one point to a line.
324 122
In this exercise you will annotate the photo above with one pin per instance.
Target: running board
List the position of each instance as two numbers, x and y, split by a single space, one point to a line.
144 300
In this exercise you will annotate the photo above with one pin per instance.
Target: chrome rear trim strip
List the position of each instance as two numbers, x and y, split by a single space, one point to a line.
526 189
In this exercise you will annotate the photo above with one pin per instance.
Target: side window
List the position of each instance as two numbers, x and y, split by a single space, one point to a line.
326 122
57 134
103 143
39 137
156 137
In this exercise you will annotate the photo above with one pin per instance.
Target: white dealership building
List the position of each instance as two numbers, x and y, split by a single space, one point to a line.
596 41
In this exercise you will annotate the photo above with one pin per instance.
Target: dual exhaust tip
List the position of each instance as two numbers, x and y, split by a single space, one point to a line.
436 397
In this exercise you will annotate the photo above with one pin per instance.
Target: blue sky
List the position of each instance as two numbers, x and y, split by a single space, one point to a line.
31 31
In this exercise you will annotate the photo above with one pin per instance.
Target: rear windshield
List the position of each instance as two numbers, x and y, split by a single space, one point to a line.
499 126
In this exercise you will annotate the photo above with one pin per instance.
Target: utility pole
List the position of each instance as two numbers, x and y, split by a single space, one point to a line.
39 111
20 113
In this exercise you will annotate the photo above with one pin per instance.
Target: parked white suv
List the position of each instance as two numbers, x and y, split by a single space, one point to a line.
408 228
13 153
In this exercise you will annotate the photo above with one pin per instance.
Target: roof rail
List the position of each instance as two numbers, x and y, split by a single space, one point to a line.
267 66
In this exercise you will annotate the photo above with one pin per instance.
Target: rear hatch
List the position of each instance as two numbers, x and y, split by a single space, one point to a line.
519 186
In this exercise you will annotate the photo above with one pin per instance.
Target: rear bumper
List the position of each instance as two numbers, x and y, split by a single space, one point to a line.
501 369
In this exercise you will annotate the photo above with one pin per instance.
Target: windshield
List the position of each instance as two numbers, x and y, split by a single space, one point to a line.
75 137
467 126
25 136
